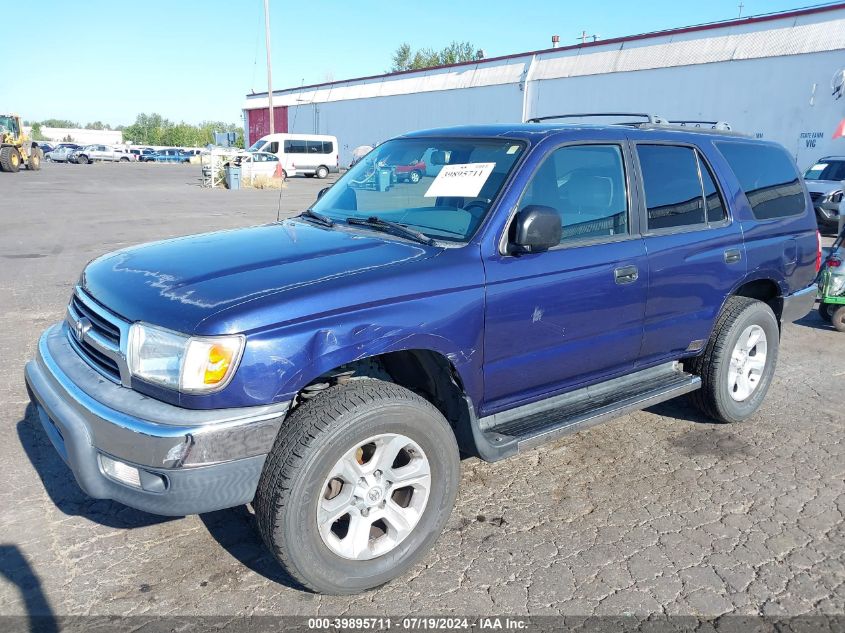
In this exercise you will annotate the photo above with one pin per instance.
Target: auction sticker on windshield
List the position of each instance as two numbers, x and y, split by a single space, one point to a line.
464 180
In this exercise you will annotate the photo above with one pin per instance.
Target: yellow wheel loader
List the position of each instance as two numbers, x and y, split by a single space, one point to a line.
15 148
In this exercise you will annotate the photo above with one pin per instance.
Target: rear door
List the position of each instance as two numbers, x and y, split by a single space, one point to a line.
573 314
696 254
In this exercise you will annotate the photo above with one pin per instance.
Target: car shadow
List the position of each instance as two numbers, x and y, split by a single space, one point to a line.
235 531
681 409
62 488
16 570
813 320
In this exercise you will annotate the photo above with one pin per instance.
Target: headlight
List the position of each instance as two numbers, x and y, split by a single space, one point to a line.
191 364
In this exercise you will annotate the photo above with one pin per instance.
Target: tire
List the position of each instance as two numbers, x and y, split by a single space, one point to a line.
838 318
10 159
326 431
826 311
720 397
284 175
123 159
322 172
34 163
414 177
82 159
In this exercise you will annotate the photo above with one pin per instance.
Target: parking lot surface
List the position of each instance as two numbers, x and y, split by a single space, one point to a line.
656 512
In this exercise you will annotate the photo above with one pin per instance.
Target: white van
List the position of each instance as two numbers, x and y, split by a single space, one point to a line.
308 154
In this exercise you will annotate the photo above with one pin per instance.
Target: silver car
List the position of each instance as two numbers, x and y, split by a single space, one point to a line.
825 184
60 154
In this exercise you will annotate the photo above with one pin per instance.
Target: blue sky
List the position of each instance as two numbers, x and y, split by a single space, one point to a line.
195 60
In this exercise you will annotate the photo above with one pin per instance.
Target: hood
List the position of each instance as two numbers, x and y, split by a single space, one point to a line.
823 186
181 282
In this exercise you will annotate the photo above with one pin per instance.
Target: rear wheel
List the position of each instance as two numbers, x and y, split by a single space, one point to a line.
359 484
10 159
322 172
738 362
415 176
838 318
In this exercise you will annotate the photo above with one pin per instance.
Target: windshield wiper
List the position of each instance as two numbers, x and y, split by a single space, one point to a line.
392 227
318 217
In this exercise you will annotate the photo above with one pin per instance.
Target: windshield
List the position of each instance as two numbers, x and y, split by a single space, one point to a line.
826 170
442 188
257 145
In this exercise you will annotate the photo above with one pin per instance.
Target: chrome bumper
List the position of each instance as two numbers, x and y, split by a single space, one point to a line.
799 304
207 459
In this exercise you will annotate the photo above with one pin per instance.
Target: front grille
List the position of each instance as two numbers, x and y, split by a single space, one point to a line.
99 339
100 325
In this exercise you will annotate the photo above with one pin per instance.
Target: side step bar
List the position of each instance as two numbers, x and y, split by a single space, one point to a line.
530 425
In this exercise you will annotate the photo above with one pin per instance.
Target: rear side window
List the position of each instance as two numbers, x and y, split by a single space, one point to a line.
673 190
716 211
768 177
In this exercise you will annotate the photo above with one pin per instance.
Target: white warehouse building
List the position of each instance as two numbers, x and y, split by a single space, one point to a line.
776 76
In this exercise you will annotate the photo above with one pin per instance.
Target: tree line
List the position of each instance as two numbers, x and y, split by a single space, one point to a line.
405 58
149 129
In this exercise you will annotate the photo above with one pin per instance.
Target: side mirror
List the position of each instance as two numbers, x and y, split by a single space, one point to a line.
537 229
322 192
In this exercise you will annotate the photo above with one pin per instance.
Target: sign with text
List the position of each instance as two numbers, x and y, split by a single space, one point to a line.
464 180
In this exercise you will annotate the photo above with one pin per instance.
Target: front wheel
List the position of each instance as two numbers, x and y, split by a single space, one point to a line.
738 362
82 160
359 485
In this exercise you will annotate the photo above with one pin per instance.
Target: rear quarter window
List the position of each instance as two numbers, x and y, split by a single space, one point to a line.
768 177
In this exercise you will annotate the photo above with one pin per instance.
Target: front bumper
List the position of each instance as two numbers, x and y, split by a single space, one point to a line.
190 461
799 304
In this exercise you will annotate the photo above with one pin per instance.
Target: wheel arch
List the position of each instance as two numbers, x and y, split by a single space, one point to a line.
429 373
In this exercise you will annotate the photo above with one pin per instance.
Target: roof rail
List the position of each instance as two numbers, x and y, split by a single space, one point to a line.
653 119
713 125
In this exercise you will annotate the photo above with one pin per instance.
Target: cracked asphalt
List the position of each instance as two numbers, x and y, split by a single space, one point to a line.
656 512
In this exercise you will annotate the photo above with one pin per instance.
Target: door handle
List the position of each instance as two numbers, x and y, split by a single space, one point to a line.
626 275
733 255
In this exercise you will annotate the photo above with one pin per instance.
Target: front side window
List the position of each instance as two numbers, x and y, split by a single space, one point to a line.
768 177
273 147
447 206
585 185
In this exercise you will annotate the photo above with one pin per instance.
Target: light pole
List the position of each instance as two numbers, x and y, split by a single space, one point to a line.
269 64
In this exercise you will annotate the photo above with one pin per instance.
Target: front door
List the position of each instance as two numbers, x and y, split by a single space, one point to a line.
574 314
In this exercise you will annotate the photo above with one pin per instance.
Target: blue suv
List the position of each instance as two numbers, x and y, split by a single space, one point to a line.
330 368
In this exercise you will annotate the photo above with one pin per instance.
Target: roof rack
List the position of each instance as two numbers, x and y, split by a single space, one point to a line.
713 125
653 119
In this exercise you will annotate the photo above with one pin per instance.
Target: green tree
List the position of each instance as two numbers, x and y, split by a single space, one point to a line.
36 133
404 58
97 125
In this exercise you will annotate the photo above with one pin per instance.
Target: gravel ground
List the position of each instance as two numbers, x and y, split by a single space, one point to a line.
656 512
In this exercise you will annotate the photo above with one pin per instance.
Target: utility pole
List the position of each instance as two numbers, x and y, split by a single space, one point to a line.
269 65
741 7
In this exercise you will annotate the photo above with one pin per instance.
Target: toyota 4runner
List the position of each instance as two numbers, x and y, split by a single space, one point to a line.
330 368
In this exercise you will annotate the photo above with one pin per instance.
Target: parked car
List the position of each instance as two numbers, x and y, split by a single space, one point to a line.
264 164
46 148
307 154
329 367
406 168
172 155
825 182
92 153
59 155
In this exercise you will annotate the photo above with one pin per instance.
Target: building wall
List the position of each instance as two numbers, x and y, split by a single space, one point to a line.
81 136
769 78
